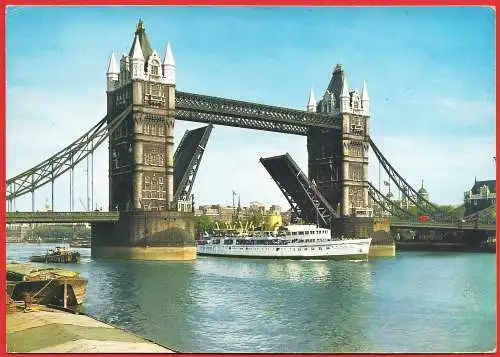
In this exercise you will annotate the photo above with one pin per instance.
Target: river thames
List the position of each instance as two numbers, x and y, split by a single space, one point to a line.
415 302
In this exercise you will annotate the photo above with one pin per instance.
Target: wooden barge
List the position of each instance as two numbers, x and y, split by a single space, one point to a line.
45 286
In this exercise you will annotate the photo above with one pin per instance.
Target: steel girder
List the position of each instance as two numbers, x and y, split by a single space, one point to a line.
303 195
483 216
405 188
386 204
50 169
228 112
187 160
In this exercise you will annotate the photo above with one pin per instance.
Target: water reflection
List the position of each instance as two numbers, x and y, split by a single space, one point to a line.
285 297
247 305
149 298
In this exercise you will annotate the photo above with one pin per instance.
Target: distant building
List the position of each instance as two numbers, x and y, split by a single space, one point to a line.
405 203
480 196
423 193
239 213
275 209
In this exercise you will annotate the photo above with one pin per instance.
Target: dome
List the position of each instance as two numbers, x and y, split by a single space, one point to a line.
422 191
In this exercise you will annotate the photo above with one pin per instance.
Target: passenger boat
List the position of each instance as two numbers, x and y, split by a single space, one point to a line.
290 242
45 285
57 255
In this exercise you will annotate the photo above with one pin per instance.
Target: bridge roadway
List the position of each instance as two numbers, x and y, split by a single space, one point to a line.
61 217
395 222
90 217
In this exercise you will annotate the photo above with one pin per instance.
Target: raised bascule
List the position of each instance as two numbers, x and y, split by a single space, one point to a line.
150 186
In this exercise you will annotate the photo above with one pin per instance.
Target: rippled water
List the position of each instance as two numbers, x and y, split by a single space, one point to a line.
416 302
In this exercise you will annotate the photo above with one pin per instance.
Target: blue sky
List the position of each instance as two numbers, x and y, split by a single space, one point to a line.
430 76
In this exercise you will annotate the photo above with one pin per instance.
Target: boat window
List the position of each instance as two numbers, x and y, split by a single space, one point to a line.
305 248
277 249
294 233
320 248
301 233
312 248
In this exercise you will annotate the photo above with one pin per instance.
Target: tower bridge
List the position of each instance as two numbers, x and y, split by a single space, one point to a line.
150 200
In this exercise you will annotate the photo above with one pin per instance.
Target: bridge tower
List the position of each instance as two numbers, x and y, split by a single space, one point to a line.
141 177
338 160
141 149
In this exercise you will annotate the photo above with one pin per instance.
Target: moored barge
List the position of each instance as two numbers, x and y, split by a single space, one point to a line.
45 285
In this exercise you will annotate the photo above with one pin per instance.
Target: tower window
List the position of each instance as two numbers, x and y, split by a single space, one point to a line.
154 70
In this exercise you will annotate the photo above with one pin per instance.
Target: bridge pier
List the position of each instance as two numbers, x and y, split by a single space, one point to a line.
146 235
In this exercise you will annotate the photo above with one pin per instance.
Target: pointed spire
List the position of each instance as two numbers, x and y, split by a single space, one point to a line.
345 86
136 49
422 183
311 103
112 66
169 57
364 93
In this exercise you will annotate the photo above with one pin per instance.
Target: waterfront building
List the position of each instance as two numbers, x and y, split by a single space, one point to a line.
481 195
219 213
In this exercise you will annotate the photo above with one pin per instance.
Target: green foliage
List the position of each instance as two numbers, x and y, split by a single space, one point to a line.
203 224
58 232
256 218
415 211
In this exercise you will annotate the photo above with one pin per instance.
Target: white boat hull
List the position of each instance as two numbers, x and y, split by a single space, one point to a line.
339 249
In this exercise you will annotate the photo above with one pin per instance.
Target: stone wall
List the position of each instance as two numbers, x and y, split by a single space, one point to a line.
352 227
147 228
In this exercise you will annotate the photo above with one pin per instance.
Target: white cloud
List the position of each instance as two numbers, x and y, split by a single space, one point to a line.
41 122
474 110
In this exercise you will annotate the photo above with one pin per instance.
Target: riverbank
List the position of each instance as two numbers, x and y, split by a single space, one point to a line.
439 246
48 330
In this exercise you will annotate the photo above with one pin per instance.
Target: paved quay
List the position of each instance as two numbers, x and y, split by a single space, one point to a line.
47 330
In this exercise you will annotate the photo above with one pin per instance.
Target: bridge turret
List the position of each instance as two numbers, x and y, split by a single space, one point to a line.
137 60
311 104
124 69
112 73
344 95
168 66
365 100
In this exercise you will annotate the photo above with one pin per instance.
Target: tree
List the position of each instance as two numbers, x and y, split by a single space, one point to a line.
256 218
203 224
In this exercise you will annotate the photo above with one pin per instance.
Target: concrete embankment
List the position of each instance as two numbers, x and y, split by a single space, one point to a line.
47 330
437 246
382 250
